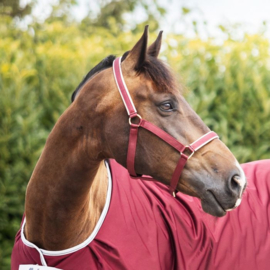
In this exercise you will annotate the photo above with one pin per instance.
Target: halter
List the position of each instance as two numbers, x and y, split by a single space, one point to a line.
186 152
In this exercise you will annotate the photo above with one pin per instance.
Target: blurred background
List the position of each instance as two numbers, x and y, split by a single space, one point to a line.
218 49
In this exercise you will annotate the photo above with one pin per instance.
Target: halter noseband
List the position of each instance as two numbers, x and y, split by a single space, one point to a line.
133 135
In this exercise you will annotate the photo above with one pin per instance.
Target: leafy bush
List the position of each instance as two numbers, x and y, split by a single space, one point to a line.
229 87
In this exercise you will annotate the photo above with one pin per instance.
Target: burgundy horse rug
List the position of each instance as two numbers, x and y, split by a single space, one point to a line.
143 226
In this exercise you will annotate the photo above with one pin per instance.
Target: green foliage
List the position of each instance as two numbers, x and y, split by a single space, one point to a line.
229 87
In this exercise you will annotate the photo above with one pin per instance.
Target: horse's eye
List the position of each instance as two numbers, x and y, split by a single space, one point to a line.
166 106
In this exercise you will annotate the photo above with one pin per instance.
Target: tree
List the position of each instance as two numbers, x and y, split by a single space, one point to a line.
112 15
13 8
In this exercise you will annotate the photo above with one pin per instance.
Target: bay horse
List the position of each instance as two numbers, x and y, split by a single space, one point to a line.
84 210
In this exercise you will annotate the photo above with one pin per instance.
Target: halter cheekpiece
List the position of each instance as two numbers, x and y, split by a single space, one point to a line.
186 152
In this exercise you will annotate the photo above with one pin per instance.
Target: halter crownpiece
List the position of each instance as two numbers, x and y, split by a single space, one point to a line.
166 137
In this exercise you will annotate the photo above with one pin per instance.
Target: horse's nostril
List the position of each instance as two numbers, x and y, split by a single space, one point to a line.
235 182
237 185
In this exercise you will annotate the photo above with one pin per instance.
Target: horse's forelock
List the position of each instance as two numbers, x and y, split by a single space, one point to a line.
159 73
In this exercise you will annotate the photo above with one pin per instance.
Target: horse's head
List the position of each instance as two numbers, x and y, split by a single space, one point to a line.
212 174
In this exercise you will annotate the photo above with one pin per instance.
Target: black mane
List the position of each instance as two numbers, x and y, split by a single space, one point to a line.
153 68
105 63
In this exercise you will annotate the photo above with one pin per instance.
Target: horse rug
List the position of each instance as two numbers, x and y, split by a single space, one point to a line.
143 227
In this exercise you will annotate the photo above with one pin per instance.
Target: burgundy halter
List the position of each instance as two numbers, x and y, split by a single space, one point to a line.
133 135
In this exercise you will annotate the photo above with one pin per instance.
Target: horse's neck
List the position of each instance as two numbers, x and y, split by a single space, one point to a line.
67 190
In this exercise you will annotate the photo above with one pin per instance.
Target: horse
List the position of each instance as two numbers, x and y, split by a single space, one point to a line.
104 192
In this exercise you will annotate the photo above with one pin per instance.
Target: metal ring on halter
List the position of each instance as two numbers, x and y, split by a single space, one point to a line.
191 150
134 116
191 155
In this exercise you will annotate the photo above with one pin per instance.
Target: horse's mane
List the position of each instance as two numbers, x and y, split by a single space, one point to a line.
105 63
153 68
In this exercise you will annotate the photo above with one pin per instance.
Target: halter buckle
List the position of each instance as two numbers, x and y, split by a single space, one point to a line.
132 117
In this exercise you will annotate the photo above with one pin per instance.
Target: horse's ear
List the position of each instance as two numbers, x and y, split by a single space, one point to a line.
154 49
137 55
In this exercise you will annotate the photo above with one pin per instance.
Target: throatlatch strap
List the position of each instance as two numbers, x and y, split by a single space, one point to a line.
133 134
177 172
133 137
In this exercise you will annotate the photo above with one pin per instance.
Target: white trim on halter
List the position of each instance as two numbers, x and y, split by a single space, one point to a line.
206 142
83 244
125 86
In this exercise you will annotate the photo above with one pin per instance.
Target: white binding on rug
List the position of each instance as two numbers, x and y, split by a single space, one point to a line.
83 244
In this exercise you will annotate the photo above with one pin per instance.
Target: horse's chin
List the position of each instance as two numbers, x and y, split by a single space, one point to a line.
211 206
